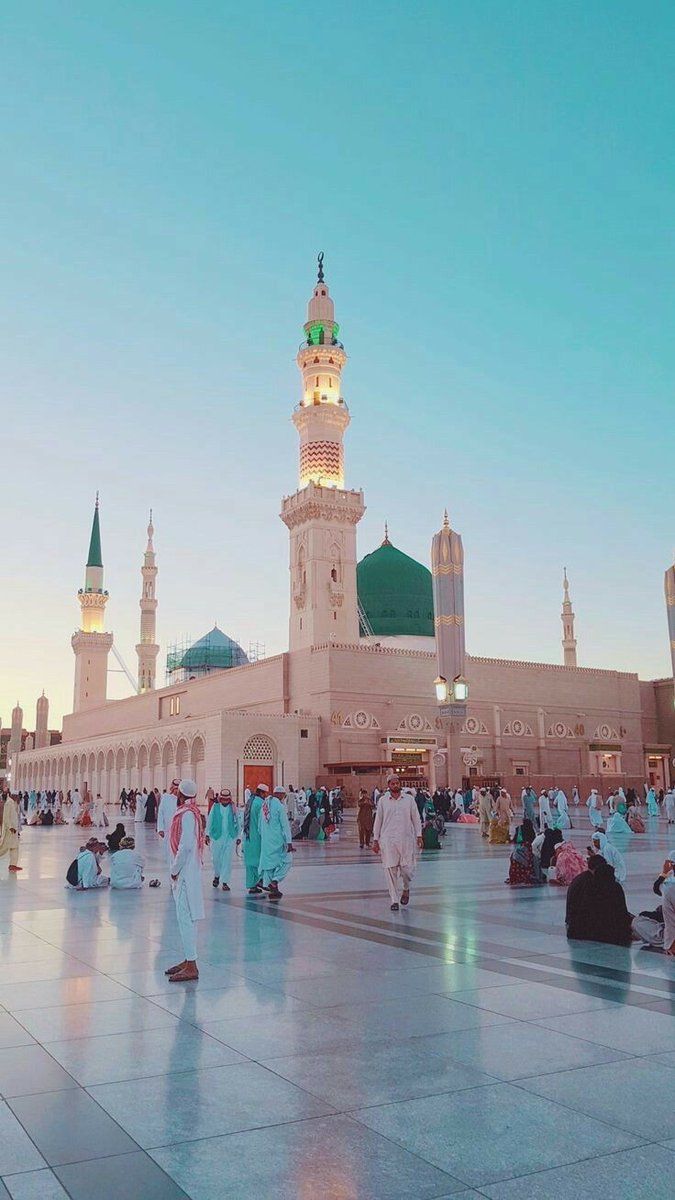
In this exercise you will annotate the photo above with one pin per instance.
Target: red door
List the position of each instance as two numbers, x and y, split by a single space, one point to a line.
254 775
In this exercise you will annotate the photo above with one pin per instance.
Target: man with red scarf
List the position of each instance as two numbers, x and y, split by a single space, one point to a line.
186 839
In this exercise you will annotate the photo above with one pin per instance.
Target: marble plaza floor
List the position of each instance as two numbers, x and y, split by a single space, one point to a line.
331 1049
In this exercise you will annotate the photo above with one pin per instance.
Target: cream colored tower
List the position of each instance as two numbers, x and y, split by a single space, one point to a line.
14 745
322 516
91 645
41 722
147 648
669 584
569 641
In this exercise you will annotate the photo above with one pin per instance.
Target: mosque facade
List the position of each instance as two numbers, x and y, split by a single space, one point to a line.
356 693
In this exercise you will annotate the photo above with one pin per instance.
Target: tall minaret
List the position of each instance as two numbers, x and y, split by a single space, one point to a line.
569 642
147 648
669 582
41 722
14 744
17 730
322 516
447 580
91 645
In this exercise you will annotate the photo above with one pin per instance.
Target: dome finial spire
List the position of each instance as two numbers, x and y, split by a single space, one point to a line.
446 519
386 541
320 264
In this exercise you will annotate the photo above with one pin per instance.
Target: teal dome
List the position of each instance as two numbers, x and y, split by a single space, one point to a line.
213 652
395 593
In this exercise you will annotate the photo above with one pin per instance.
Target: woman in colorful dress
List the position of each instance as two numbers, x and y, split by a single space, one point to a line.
568 863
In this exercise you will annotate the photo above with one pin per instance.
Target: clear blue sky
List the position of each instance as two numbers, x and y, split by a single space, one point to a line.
493 187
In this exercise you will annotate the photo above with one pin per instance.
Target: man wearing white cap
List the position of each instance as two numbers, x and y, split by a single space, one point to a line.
276 845
251 839
186 838
397 832
165 814
222 831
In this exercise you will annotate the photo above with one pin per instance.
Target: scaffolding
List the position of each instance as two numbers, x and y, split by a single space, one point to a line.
186 659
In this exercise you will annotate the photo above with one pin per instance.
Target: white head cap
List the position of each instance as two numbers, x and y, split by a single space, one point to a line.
279 791
187 788
262 787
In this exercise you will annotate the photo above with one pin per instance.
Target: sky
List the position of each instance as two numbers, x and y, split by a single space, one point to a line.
493 187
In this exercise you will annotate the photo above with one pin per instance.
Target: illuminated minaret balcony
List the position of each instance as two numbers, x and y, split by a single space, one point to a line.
322 416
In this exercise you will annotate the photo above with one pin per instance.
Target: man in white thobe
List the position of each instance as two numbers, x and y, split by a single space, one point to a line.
397 834
187 841
89 874
10 828
75 806
126 866
141 801
165 815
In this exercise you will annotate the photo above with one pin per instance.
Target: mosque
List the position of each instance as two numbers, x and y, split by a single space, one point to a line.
375 677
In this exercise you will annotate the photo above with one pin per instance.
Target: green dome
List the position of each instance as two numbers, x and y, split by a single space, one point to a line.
213 652
395 593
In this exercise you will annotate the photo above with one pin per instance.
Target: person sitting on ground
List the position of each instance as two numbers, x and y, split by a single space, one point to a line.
566 864
550 839
47 817
596 906
430 838
524 870
126 866
635 819
657 928
84 871
600 844
113 839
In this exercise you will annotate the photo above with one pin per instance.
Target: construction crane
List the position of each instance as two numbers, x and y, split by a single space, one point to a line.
127 672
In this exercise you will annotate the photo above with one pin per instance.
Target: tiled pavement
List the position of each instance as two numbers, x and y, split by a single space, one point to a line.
331 1049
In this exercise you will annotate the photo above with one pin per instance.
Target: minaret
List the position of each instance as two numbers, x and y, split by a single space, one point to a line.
91 645
322 516
447 580
669 582
41 722
14 744
147 648
569 641
17 730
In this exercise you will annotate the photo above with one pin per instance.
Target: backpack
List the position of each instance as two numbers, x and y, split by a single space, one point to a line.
72 874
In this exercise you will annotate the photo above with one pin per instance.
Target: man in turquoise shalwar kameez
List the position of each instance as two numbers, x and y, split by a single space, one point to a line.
222 831
276 844
251 839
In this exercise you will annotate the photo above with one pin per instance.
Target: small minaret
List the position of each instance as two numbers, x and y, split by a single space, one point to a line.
147 648
322 516
91 645
669 582
569 642
41 722
447 579
17 730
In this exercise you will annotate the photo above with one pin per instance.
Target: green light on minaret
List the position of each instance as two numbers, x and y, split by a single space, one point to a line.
315 335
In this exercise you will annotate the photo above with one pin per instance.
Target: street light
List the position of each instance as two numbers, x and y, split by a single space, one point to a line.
460 689
441 685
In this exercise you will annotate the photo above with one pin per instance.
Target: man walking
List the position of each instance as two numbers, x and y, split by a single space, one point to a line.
165 815
275 843
397 834
251 839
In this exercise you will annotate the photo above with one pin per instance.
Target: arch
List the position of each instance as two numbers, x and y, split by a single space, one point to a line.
197 755
182 755
197 750
131 758
119 759
168 754
142 765
155 755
